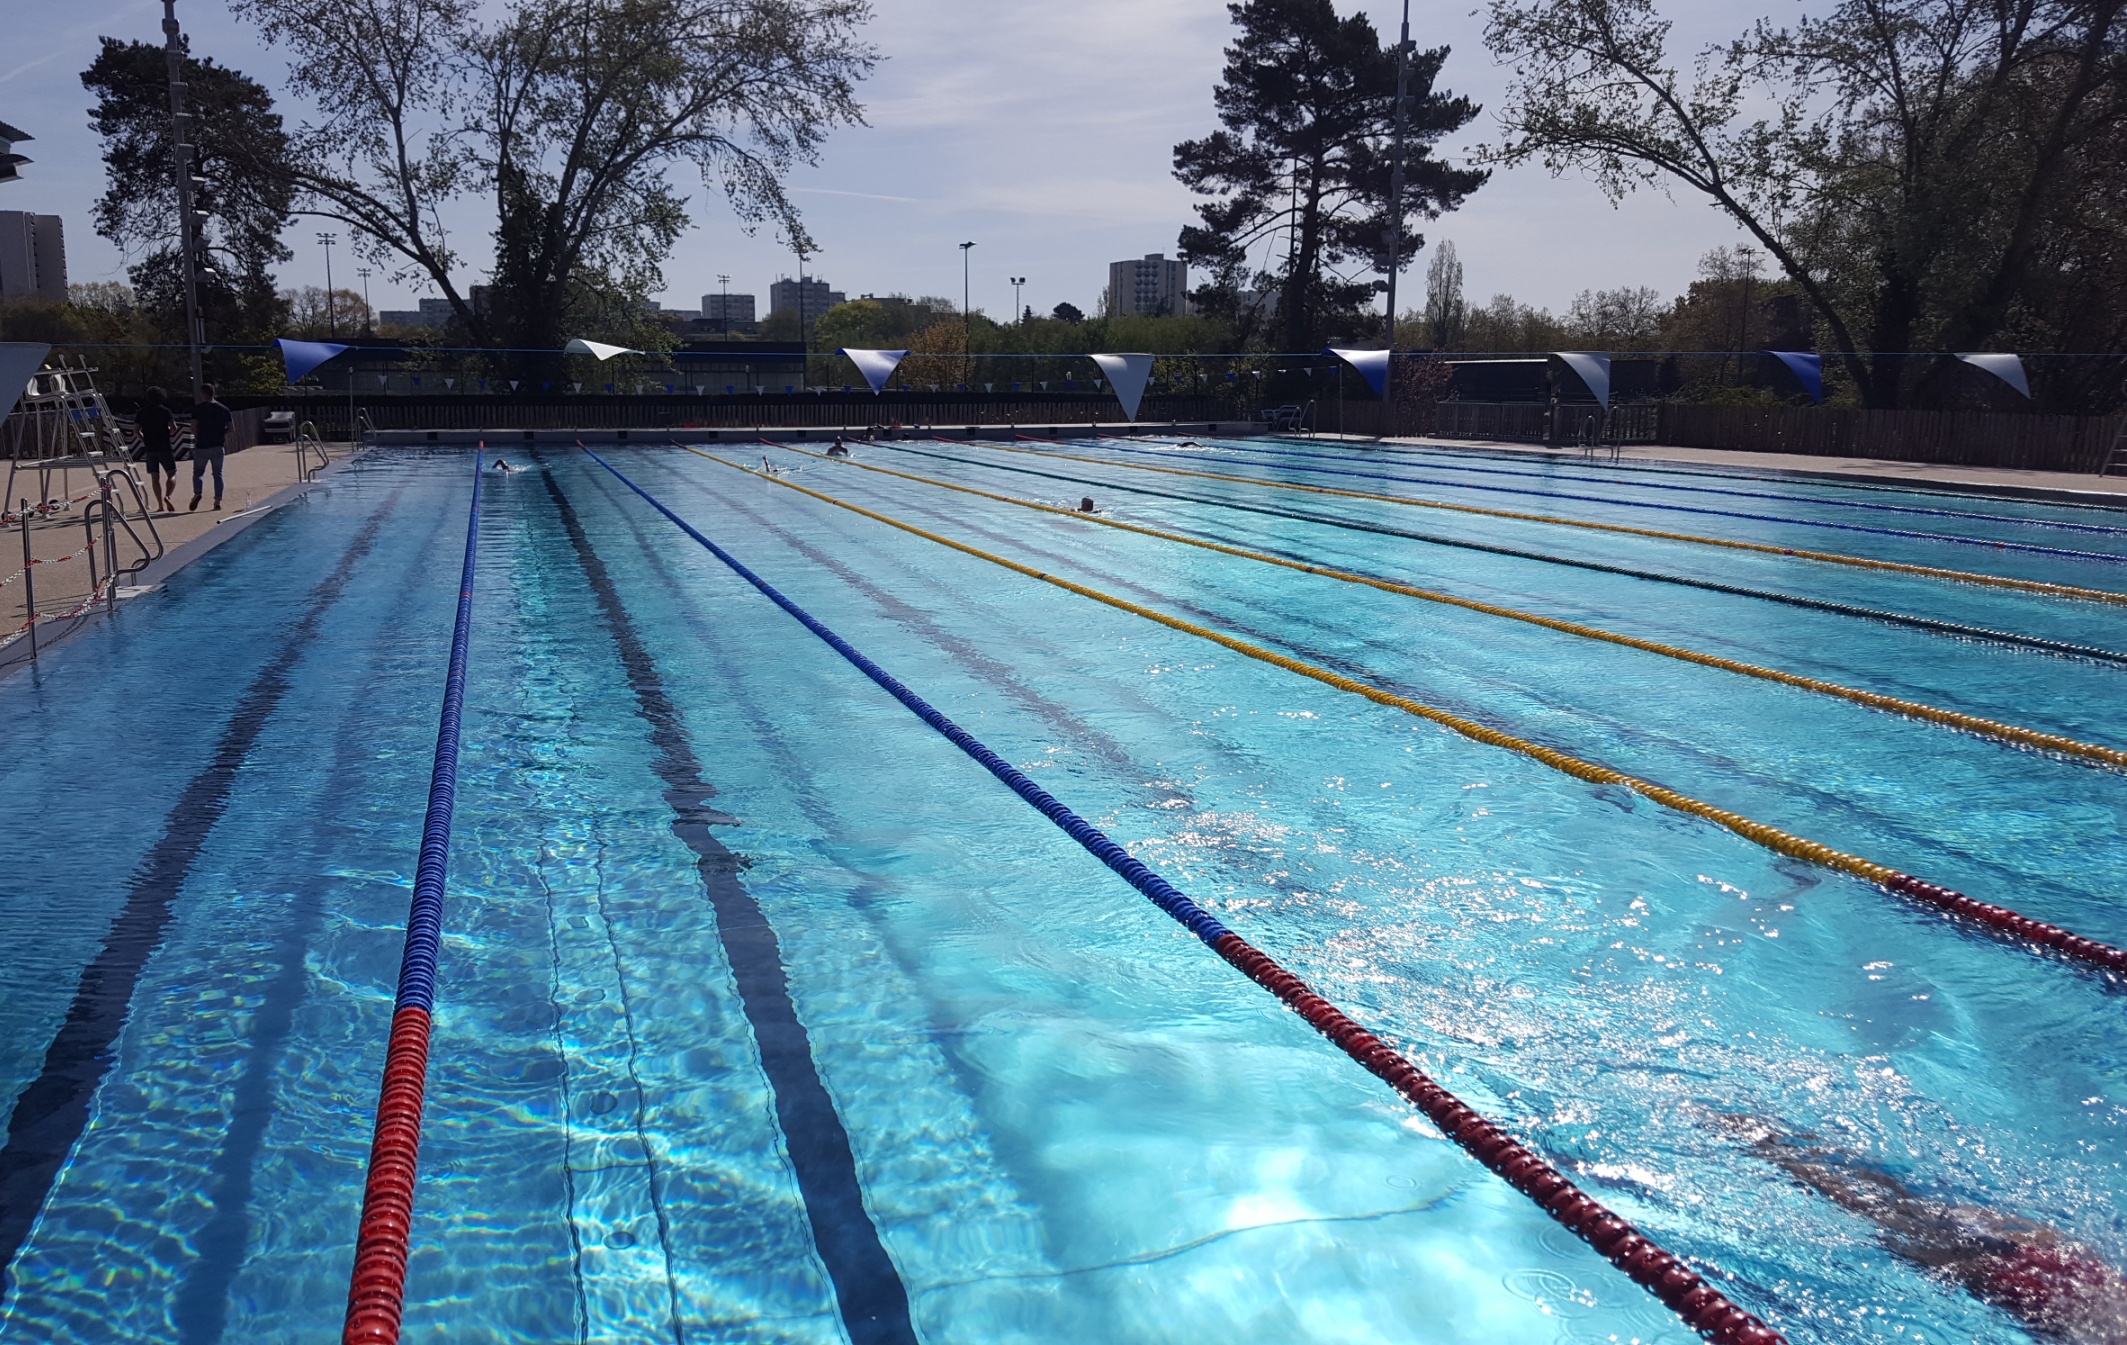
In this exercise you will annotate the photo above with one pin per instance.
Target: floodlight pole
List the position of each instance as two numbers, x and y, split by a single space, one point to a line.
332 315
1395 206
369 325
725 281
183 153
967 317
1017 283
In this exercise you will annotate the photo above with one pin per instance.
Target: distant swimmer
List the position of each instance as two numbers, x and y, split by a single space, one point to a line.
503 466
1085 506
2058 1289
838 449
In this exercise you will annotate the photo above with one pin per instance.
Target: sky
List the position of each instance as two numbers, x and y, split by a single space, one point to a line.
1042 132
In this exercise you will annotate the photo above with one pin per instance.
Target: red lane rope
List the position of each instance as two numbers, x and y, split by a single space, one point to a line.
376 1292
1704 1308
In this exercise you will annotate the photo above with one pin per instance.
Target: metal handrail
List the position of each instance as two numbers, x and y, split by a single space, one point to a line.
140 502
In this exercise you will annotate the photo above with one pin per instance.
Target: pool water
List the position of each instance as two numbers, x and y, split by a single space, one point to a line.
1066 1120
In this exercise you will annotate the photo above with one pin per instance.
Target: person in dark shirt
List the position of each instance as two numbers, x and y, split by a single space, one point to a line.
210 442
157 430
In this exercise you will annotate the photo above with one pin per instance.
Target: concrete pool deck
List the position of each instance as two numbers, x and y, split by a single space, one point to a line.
2008 482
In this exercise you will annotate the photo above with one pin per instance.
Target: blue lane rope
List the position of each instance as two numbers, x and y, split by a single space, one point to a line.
424 923
1660 1272
1126 865
2029 547
376 1290
1952 629
1450 465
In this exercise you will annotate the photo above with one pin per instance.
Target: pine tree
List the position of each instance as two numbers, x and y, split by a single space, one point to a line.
1306 107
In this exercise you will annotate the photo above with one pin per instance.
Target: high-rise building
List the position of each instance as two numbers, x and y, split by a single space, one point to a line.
1150 286
736 310
808 298
32 257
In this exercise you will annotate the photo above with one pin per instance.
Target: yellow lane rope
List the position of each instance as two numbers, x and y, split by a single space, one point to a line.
1828 557
1995 917
2012 733
1769 837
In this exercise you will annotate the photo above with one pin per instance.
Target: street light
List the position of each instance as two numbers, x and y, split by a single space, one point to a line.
184 161
332 316
1395 206
368 320
967 317
725 281
1018 312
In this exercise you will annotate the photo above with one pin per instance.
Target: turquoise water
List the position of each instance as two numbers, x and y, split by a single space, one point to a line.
1068 1120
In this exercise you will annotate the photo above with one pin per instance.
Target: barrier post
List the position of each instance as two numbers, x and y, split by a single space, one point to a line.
29 579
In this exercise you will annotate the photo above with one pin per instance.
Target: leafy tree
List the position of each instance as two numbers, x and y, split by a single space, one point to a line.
243 157
1446 312
1067 312
571 116
1911 166
1306 105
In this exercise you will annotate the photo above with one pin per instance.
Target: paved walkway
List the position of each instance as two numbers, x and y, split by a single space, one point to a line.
2008 481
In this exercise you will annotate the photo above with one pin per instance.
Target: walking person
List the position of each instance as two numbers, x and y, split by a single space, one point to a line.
158 429
210 443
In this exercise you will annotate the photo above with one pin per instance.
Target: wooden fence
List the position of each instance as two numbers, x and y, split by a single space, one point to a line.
1962 438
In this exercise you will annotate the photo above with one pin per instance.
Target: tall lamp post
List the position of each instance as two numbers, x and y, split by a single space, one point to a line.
967 316
183 154
332 307
725 281
1018 312
368 313
1395 205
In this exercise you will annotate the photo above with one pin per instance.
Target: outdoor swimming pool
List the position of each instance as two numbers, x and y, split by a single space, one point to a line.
1062 1118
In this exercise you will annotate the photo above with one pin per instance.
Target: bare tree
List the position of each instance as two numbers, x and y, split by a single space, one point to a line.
571 114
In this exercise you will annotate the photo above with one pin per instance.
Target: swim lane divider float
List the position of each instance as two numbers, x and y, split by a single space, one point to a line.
376 1295
1661 1273
2009 733
1558 520
2000 919
1952 629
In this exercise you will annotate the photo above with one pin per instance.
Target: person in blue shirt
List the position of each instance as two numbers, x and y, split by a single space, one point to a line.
210 443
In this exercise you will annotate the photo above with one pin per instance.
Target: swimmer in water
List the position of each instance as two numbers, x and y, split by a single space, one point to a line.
838 449
2058 1289
1085 506
502 466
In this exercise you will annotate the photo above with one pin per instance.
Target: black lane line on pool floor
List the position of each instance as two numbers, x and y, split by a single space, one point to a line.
1977 634
53 1110
868 1289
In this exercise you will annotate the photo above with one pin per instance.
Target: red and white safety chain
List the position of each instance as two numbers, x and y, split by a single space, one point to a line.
47 560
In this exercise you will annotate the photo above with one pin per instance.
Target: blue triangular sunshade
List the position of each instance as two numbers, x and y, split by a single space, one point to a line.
876 365
1371 364
18 361
1807 367
303 356
1129 374
1594 370
2008 368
